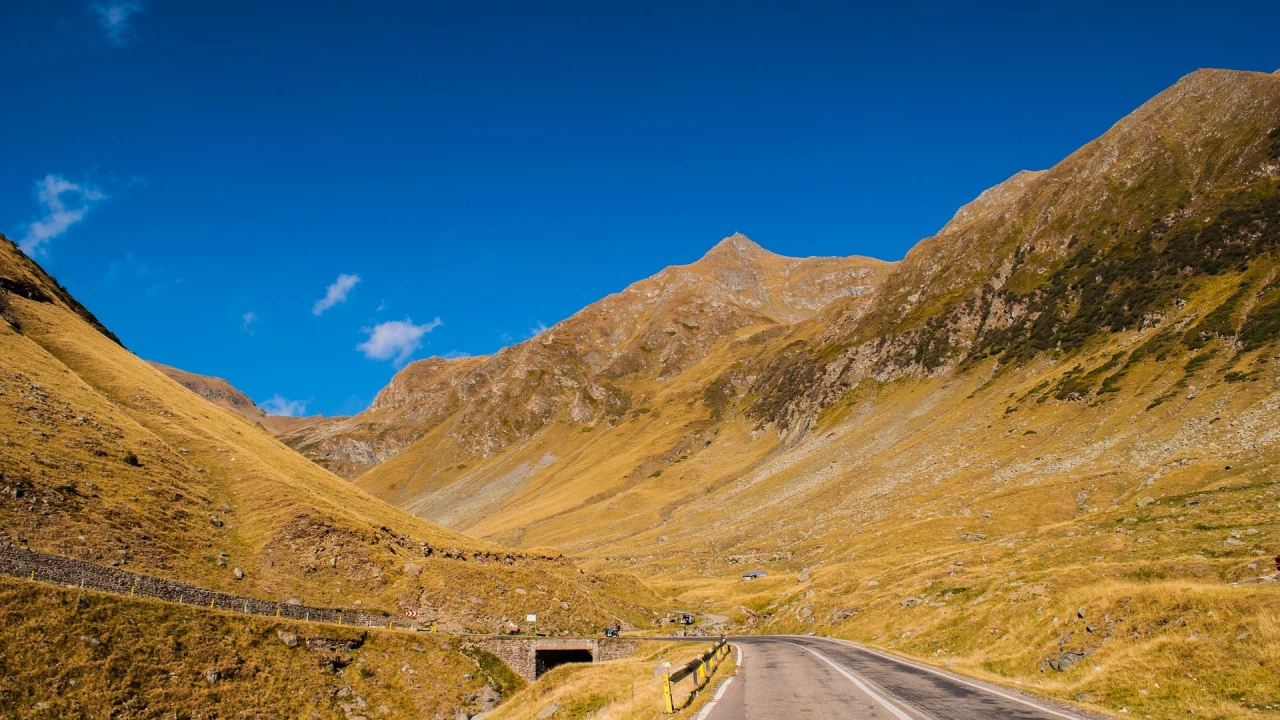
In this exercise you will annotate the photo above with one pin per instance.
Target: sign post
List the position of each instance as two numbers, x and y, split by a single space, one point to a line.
532 619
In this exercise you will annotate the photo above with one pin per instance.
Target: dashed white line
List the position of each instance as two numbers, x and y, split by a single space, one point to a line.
861 686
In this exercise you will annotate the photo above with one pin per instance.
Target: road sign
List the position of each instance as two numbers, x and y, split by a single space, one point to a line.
531 618
411 613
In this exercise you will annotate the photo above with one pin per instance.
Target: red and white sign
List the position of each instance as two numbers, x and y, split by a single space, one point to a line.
411 613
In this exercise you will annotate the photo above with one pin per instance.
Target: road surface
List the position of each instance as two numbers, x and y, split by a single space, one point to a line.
789 677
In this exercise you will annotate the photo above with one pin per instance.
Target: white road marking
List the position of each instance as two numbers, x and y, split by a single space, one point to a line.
949 676
706 709
861 686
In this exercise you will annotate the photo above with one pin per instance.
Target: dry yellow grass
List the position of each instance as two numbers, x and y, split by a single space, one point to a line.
70 653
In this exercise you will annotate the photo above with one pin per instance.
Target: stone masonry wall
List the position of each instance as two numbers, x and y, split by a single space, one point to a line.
520 653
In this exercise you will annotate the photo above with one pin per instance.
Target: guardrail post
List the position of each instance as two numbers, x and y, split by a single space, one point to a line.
669 705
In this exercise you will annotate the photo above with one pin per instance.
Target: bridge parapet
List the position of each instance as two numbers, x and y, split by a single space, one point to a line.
529 657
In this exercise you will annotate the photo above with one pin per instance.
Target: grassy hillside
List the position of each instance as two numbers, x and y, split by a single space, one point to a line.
84 654
104 458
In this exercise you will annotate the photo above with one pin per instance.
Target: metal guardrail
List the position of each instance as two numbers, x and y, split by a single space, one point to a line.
700 668
69 572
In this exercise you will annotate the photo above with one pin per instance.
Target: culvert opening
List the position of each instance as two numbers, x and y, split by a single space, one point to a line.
544 660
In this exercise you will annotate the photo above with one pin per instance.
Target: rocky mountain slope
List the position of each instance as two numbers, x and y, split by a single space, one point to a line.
104 458
585 370
1054 420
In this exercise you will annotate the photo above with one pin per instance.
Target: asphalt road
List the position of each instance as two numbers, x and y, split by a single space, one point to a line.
808 677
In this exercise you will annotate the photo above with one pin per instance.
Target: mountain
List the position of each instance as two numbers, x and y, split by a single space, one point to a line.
225 395
104 458
591 368
1054 421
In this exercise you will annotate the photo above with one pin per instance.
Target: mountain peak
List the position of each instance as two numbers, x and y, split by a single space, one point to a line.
739 246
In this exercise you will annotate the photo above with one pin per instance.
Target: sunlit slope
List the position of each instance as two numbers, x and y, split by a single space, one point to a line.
105 458
84 654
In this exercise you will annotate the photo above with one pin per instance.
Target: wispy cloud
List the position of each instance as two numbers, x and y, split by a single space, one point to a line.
247 320
455 355
395 339
115 20
279 405
336 293
64 204
537 330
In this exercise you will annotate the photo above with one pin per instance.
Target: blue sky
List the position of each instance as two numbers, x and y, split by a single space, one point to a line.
302 196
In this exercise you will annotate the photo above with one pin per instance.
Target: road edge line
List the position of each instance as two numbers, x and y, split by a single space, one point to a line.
705 712
956 678
861 686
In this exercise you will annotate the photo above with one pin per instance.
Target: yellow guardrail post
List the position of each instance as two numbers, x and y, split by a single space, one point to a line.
666 694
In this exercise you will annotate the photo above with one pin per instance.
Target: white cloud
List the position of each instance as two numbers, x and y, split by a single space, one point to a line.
280 405
336 293
115 20
247 320
65 204
455 355
538 330
397 339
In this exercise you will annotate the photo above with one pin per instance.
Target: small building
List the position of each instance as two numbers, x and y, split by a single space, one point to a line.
754 574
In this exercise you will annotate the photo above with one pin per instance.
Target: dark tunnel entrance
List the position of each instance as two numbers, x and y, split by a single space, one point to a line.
544 660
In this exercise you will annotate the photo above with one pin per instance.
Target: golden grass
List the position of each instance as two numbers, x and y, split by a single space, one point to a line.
71 653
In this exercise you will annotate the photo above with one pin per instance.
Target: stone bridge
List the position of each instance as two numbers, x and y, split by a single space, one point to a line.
530 657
